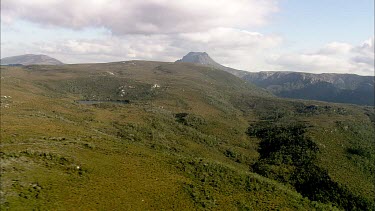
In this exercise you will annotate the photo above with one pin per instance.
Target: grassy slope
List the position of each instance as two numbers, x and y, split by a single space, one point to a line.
140 156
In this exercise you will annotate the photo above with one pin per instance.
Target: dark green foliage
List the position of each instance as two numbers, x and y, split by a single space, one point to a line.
359 151
211 181
181 117
315 183
285 145
189 120
288 156
316 109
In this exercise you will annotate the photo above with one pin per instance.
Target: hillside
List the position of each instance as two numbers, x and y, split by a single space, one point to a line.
142 135
339 88
329 87
30 59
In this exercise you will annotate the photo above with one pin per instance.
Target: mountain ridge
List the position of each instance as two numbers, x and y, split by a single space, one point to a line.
329 87
30 59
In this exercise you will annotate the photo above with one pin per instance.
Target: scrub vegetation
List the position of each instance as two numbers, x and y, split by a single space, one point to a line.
188 137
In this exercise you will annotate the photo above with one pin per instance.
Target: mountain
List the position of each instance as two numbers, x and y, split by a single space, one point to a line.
203 58
146 135
340 88
30 59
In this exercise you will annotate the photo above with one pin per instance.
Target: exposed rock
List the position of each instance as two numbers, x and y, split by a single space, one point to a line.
203 58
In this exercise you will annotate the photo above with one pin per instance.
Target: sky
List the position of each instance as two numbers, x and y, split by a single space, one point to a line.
316 36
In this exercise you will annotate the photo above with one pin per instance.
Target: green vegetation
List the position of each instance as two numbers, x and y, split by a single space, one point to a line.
180 143
213 183
288 156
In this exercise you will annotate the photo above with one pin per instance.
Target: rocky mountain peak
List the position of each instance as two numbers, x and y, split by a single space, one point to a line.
198 58
203 58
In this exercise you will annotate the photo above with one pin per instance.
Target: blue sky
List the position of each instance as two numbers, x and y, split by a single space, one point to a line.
310 23
293 35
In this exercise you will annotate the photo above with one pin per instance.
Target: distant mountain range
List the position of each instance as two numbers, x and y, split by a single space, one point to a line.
339 88
30 59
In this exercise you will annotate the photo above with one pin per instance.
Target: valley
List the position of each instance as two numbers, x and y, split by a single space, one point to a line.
142 135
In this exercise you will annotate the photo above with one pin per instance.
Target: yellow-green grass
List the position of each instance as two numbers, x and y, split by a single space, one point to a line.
129 155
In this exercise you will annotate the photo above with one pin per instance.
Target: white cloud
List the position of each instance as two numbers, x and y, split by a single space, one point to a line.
336 48
236 48
142 17
365 53
166 30
313 63
334 58
149 29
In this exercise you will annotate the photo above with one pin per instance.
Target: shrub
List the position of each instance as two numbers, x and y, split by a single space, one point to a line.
288 156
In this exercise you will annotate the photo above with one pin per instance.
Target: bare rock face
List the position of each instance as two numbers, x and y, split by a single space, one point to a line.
199 58
203 58
30 59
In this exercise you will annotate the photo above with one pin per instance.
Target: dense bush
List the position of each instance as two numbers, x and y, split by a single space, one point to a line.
288 156
189 120
285 145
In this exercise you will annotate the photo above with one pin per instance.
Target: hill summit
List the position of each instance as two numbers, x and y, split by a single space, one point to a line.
30 59
199 58
203 58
